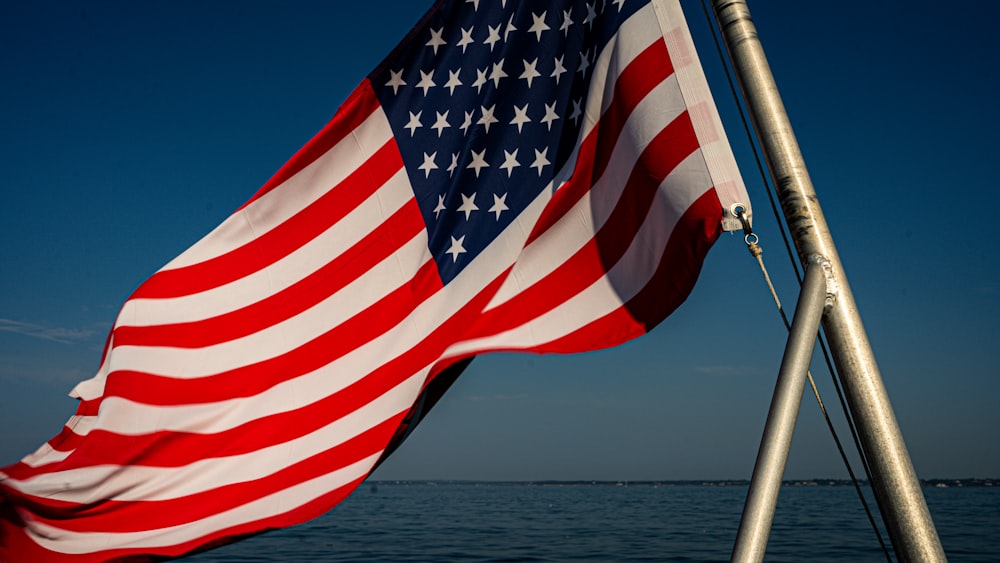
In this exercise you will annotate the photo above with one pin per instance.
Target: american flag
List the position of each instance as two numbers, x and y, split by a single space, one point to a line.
542 176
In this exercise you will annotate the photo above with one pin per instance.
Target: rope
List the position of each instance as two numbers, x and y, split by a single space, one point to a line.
751 240
755 250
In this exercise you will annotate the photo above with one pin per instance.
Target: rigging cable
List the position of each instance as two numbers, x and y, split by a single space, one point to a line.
751 241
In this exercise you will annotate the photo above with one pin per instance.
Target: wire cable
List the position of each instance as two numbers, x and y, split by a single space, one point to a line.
796 267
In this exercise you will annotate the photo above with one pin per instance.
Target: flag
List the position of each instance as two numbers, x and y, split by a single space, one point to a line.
539 176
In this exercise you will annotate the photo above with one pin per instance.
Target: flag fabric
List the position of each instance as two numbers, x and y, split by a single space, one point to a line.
540 176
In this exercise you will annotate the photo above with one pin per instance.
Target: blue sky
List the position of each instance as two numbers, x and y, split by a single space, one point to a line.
131 130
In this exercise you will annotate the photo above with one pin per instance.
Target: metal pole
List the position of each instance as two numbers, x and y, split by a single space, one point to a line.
758 512
895 483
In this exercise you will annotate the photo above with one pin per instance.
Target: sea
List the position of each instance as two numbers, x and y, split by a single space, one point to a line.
443 521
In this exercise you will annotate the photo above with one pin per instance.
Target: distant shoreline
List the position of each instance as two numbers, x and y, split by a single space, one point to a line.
935 483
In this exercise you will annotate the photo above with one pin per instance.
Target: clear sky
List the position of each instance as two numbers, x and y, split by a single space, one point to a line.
129 130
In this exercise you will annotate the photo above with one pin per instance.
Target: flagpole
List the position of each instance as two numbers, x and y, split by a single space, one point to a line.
895 482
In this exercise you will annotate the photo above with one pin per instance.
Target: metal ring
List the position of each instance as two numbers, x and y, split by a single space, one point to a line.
750 238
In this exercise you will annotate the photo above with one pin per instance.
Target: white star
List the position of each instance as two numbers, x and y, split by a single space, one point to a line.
510 27
441 123
436 40
584 63
426 81
440 207
509 162
467 123
487 119
538 25
453 81
619 3
414 122
499 205
567 21
520 117
530 73
575 114
493 37
559 70
541 160
475 4
480 79
428 164
395 80
456 248
497 73
466 39
550 115
468 205
478 161
591 14
451 167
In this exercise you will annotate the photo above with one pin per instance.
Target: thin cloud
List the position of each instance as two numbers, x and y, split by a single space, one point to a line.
54 334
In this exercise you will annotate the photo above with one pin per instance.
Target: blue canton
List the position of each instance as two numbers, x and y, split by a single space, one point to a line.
485 100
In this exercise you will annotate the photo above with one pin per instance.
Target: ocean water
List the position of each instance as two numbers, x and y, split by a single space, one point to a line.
508 522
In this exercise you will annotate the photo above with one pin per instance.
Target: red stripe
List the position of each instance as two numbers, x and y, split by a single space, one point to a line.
668 149
689 243
664 152
138 516
673 281
16 546
387 238
253 379
636 81
243 382
173 449
250 380
280 241
358 106
644 73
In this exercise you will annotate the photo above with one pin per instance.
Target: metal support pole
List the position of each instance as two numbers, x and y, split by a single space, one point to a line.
762 498
895 483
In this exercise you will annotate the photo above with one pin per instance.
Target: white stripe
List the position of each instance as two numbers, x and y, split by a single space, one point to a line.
626 278
362 360
648 118
129 418
374 132
578 226
163 483
56 539
90 389
309 184
280 275
704 116
78 424
275 340
633 37
358 362
46 454
425 317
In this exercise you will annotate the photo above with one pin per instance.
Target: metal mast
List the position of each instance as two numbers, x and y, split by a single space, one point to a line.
895 483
